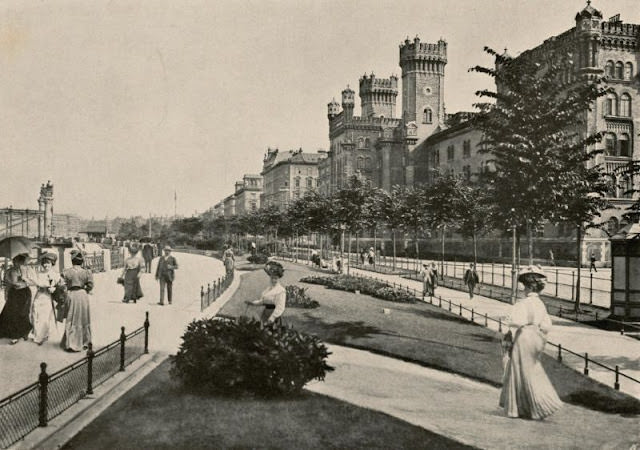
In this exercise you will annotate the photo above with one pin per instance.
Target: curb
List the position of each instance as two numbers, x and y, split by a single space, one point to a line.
64 427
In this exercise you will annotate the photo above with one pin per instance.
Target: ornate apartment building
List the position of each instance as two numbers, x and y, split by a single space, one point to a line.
289 175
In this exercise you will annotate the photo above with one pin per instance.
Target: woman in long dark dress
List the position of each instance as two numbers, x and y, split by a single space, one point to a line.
133 270
14 320
77 327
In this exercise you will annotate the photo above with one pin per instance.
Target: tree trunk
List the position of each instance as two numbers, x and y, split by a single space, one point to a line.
475 246
357 246
375 246
530 241
579 264
349 254
417 250
394 249
444 228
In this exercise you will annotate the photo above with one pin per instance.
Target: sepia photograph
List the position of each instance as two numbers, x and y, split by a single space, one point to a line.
315 224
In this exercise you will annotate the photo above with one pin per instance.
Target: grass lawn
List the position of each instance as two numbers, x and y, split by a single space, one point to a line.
158 413
420 333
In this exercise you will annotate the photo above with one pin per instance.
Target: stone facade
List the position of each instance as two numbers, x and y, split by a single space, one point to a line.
248 193
287 176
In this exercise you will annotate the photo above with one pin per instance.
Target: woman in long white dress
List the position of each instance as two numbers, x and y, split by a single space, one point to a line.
46 280
273 298
526 390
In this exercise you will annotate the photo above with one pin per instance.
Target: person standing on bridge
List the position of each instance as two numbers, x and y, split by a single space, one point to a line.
526 389
165 274
77 326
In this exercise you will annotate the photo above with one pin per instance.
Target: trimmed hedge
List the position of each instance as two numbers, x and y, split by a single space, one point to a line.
258 258
243 356
365 286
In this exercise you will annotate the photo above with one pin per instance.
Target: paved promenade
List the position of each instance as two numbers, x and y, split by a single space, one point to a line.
607 347
20 363
448 404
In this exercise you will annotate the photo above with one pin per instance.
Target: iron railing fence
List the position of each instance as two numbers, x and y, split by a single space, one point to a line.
117 258
497 324
94 261
214 290
38 403
485 320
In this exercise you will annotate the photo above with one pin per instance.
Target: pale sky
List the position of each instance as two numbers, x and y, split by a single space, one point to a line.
120 102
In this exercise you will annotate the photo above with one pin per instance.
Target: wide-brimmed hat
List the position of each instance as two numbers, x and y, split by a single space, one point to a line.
274 268
533 270
167 247
48 256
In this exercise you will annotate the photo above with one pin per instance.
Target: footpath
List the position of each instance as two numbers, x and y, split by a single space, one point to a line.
448 404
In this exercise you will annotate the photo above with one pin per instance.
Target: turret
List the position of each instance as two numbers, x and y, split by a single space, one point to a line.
588 33
378 96
348 102
333 109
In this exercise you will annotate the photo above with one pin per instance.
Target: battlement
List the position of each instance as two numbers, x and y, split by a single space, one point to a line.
416 50
621 29
371 84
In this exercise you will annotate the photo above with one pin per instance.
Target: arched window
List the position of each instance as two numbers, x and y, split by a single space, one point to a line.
427 115
360 164
610 144
623 145
367 163
611 105
628 71
436 158
608 69
360 142
625 105
619 70
367 142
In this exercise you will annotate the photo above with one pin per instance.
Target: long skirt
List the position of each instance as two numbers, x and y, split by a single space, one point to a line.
14 320
228 265
77 328
42 317
132 288
526 390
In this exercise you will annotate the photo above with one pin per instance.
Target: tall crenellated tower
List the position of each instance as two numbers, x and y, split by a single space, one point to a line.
423 84
348 103
378 96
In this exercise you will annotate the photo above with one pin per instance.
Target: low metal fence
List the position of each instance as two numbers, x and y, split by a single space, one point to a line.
484 320
35 405
94 262
214 290
117 258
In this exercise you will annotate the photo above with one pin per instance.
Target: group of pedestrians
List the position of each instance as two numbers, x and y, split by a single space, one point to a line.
429 276
135 266
59 298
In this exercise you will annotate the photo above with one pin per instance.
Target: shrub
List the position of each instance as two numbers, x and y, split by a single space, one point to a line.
374 288
297 298
258 258
243 356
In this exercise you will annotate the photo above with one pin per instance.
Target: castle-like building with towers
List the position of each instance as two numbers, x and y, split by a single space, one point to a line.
408 148
378 144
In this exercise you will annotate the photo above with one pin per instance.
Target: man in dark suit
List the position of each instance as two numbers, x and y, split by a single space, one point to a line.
165 273
147 254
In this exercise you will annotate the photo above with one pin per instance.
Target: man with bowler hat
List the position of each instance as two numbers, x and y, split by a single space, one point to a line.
165 273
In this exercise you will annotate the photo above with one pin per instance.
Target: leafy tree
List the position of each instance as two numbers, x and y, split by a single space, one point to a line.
390 210
532 124
414 213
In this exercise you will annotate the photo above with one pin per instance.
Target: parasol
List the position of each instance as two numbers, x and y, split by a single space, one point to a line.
15 245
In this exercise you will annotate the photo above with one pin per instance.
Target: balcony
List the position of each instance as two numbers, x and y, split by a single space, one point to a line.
615 164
